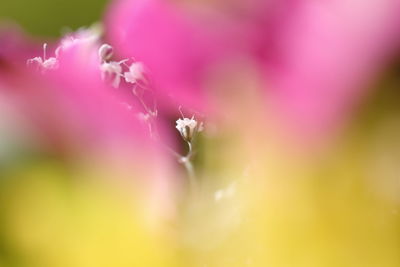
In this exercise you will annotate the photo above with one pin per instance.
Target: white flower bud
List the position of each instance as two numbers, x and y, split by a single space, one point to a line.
105 52
187 128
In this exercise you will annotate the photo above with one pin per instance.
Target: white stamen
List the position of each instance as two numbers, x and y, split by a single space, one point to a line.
43 64
44 51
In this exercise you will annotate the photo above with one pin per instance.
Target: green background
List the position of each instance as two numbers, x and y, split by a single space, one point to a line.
48 18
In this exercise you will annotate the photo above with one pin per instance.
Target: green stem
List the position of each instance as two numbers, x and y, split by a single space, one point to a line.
191 174
189 168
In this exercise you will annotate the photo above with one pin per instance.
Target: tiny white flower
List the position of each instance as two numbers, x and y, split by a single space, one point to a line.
187 128
135 73
112 70
44 63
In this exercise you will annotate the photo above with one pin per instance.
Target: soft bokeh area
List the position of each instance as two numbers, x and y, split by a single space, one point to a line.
50 18
193 133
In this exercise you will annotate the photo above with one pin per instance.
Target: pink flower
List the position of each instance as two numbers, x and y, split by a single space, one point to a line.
71 103
72 114
316 57
178 47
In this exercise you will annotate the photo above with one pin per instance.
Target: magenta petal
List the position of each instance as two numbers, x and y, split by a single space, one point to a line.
71 114
178 47
73 110
316 57
330 51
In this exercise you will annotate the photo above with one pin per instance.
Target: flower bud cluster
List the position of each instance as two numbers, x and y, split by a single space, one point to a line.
113 70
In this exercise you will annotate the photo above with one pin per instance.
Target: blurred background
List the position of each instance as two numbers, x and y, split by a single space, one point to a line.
278 185
48 18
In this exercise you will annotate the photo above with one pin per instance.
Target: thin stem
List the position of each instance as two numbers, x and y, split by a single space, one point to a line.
152 113
191 174
186 161
172 152
190 151
44 51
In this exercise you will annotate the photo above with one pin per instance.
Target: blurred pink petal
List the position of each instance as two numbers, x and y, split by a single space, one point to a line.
316 57
15 46
178 47
74 115
330 52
